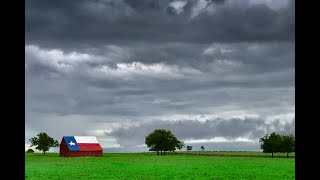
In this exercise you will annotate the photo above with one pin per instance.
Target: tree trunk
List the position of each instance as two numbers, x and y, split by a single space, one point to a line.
287 155
161 152
164 152
272 154
157 152
44 152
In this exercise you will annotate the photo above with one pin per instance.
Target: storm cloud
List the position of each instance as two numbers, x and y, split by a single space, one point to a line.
209 130
212 71
83 23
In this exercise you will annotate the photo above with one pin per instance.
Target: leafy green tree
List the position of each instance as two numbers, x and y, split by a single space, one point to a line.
271 143
287 144
189 148
43 142
202 148
162 140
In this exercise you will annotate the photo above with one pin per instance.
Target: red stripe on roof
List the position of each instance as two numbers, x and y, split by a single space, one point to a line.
89 147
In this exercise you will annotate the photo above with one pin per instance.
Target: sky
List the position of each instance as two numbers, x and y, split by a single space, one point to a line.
217 73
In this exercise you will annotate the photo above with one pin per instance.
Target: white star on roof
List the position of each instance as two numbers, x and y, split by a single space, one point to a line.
72 143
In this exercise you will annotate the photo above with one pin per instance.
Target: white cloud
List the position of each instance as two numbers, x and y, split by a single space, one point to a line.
142 145
178 5
57 59
217 48
284 118
77 62
218 112
27 146
217 139
198 8
108 142
129 70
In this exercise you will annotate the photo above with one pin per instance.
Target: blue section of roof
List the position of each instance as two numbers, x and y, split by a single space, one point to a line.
72 143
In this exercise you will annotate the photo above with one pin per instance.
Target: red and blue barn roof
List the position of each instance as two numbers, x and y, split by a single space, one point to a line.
82 143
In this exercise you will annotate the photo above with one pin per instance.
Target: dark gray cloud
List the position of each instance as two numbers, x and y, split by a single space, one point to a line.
66 88
77 24
106 66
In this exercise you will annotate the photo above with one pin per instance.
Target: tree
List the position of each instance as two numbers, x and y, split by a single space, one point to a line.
287 144
43 142
162 140
202 148
30 151
271 143
189 148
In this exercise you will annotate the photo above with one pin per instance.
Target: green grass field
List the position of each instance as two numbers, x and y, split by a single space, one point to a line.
237 153
150 166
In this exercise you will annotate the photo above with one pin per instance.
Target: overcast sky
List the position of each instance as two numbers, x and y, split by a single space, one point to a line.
217 73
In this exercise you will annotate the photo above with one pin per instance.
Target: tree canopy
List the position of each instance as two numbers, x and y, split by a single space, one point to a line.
288 143
277 143
162 140
43 142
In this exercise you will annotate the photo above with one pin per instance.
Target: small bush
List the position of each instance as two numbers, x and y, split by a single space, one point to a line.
30 151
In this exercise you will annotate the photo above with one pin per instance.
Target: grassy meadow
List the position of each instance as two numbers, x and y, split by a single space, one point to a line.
237 153
150 166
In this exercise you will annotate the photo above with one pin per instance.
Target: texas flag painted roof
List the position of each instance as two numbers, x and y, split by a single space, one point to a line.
82 143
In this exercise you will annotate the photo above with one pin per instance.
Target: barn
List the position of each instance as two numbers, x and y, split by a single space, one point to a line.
78 146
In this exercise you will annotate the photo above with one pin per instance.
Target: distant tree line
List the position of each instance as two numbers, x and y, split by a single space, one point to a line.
273 143
189 148
161 140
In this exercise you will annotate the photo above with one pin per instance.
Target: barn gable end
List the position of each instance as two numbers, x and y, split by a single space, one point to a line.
79 146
